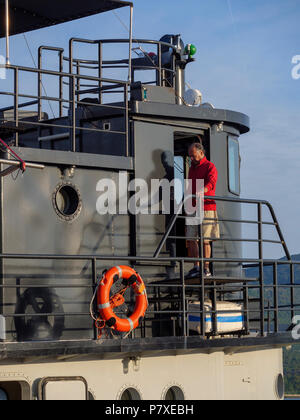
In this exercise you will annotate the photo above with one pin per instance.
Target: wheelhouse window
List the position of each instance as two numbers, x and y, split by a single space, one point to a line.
234 165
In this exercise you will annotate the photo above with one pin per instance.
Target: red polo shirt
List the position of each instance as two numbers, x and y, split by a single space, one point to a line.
207 171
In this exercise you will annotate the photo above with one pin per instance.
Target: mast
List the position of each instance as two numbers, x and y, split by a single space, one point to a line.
7 30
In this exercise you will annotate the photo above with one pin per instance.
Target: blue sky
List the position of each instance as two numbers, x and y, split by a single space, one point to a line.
245 49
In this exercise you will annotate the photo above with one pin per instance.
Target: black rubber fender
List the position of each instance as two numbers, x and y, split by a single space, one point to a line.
39 328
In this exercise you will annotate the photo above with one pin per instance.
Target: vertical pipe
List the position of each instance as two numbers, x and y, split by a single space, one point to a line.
7 30
130 46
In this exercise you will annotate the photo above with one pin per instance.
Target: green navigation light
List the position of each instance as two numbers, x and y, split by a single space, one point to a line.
190 50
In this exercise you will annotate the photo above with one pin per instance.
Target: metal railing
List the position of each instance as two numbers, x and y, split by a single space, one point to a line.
259 263
100 64
267 305
72 103
181 287
79 85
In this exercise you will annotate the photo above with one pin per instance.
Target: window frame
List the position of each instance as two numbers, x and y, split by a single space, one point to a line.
235 140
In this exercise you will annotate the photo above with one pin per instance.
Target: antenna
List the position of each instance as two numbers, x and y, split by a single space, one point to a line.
7 30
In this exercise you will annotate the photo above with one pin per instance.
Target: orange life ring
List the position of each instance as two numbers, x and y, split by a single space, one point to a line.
106 304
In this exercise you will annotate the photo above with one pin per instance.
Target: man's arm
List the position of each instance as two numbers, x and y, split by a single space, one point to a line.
212 180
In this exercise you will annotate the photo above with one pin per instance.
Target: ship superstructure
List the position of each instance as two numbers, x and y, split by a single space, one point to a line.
201 338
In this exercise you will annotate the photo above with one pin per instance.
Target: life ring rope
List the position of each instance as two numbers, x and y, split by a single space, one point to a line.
106 303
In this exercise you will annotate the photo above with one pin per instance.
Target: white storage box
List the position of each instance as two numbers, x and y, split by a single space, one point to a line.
227 322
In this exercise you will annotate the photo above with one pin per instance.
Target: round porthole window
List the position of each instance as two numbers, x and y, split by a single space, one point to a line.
3 395
130 394
279 386
67 201
174 394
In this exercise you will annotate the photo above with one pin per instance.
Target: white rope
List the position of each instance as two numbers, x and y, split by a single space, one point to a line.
92 303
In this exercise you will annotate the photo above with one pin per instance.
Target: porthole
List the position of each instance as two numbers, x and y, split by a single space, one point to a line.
3 395
174 394
67 201
279 386
130 394
14 391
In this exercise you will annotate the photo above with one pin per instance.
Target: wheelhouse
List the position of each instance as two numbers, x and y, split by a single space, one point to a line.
55 244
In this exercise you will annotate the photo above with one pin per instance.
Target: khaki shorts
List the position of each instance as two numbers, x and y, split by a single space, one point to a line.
211 228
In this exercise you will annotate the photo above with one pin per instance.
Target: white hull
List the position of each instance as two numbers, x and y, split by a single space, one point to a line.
248 374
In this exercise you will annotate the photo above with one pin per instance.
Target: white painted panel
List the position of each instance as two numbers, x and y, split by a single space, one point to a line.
65 390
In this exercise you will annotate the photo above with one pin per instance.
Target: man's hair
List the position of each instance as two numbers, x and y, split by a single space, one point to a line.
198 146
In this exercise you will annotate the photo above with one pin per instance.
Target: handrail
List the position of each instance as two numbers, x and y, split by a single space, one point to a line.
83 63
75 78
233 200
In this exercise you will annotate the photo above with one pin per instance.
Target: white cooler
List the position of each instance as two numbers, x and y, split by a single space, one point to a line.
226 322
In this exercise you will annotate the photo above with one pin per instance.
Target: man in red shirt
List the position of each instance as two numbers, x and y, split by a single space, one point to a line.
202 169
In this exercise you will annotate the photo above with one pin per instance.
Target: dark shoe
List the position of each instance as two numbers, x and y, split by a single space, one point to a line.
194 273
207 272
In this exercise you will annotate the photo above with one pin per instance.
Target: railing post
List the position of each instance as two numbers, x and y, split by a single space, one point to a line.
202 281
275 278
78 80
73 115
280 234
184 313
100 71
130 46
261 270
126 121
269 317
292 282
16 104
71 96
246 308
61 88
39 84
159 65
95 282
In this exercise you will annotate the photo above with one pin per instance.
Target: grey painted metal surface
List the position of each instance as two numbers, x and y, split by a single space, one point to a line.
33 225
236 119
53 157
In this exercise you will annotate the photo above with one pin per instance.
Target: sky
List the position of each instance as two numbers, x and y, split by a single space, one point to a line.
244 63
